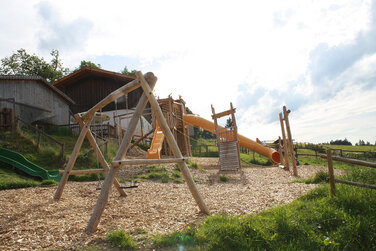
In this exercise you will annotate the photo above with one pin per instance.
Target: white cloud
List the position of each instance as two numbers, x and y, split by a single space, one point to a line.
254 54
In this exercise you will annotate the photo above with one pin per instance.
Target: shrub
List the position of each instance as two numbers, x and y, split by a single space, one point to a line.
121 239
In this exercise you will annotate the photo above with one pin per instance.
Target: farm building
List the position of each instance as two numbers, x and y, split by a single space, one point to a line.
88 86
34 99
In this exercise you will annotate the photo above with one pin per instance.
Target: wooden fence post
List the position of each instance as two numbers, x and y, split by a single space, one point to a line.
331 172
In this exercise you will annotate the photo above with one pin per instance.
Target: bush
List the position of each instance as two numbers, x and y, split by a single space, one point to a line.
121 239
223 178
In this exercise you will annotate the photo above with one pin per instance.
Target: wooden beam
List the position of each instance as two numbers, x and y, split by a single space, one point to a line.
331 173
86 171
289 138
126 162
285 143
221 114
351 161
72 159
352 183
99 154
131 86
122 151
172 144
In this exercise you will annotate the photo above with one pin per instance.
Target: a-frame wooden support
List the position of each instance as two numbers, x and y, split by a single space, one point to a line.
147 84
287 140
85 122
227 141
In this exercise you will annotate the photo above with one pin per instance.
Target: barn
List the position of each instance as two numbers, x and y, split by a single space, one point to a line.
34 99
87 86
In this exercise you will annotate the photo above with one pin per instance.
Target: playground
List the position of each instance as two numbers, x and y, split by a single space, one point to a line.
72 214
31 219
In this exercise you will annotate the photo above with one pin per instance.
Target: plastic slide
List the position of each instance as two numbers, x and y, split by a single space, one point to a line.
20 162
156 144
205 124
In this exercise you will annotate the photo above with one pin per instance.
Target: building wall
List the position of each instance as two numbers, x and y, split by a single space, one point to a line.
88 91
36 94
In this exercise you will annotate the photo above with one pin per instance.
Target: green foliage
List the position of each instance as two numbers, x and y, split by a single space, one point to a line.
86 177
176 238
88 64
121 239
127 72
223 178
22 63
192 164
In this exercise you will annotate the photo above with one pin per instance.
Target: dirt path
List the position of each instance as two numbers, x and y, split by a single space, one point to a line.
30 219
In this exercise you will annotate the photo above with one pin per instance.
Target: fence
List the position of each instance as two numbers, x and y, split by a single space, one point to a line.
340 152
332 180
40 133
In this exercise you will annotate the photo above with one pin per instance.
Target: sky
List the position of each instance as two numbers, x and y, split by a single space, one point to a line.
318 58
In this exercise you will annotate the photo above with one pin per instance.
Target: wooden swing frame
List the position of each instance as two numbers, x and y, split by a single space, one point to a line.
147 83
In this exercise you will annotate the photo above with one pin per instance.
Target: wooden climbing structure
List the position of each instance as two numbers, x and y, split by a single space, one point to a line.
227 141
146 82
173 111
288 146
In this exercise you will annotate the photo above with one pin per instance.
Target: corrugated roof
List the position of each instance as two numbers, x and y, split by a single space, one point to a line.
67 80
41 80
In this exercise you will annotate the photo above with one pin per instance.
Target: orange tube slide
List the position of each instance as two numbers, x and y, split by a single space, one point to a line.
207 125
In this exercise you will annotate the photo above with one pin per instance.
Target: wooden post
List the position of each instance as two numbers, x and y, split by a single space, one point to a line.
286 155
38 140
280 149
99 154
173 145
331 173
289 136
122 151
72 159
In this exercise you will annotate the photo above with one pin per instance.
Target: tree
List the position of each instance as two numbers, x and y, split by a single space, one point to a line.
22 63
229 123
126 72
88 64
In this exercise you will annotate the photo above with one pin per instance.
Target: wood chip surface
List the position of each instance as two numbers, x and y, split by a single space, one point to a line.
30 219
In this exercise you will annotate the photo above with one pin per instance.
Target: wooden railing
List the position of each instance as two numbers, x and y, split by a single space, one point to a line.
332 180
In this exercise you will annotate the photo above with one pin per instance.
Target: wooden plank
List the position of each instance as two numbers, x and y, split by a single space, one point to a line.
86 171
147 161
352 183
173 145
289 138
351 161
331 173
225 113
286 152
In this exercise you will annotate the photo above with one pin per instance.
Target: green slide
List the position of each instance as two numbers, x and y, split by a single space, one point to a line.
19 161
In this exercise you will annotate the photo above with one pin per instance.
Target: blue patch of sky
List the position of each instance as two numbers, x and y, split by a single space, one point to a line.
327 63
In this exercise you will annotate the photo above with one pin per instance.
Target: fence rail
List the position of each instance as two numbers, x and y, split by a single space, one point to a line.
332 180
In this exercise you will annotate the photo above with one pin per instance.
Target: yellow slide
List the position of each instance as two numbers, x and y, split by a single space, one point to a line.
156 144
207 125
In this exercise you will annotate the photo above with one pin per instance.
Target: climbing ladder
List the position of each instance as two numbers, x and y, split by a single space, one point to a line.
227 140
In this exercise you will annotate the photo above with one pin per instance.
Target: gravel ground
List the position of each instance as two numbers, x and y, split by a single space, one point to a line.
30 219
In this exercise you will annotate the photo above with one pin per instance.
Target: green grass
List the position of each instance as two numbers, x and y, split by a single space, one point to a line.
313 222
121 239
223 178
259 159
